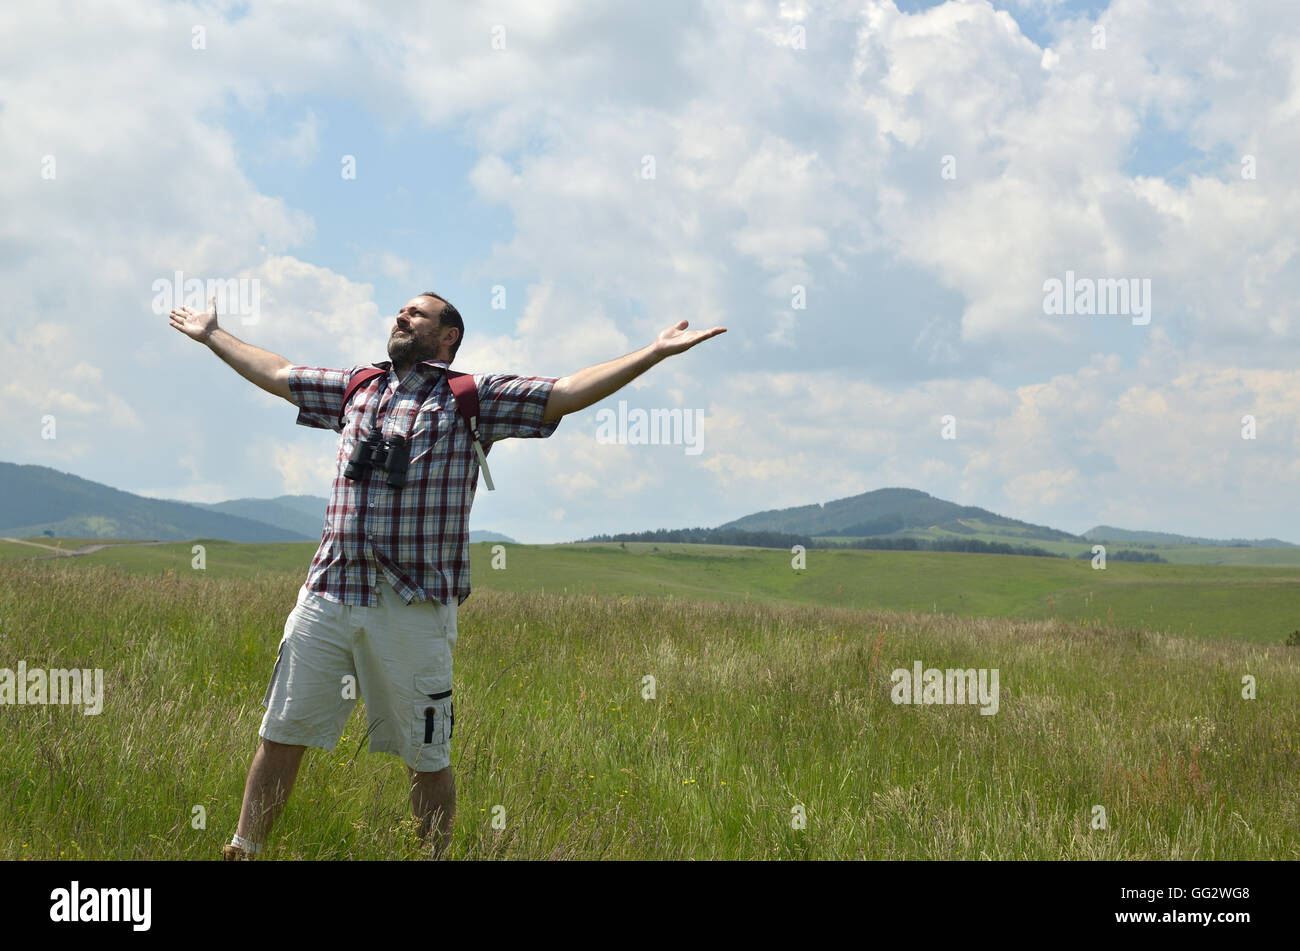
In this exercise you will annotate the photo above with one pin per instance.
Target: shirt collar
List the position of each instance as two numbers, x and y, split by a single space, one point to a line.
424 366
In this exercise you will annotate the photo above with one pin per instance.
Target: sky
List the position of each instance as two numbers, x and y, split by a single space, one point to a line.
874 197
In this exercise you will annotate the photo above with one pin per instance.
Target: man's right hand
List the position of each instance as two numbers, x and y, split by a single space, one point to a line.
194 324
268 370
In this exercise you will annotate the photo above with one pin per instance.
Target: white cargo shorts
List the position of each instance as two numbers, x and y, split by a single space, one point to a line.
394 656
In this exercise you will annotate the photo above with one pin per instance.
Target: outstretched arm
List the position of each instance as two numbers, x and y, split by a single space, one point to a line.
268 370
581 389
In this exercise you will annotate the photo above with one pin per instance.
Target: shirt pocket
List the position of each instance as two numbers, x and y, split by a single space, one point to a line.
431 426
349 436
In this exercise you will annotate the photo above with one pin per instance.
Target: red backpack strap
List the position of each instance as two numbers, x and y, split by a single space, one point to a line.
359 379
465 392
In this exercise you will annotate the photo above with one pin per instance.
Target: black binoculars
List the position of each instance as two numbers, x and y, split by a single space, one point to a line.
376 451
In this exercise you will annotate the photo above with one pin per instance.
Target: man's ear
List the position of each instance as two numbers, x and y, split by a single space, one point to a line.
447 340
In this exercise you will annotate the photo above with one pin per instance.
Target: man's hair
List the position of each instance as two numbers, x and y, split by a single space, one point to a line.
449 317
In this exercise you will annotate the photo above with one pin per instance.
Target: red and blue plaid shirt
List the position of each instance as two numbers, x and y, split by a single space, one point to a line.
416 536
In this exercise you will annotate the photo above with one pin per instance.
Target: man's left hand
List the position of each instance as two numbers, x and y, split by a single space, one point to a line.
677 338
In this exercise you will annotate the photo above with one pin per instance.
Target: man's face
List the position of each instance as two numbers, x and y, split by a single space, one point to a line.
416 335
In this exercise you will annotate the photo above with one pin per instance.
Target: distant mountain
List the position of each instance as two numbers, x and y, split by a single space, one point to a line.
305 514
893 512
1109 533
491 537
300 514
313 505
36 499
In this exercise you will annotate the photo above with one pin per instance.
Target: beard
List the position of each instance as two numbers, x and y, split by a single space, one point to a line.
406 350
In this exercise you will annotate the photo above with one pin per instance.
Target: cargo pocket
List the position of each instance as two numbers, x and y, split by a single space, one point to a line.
434 715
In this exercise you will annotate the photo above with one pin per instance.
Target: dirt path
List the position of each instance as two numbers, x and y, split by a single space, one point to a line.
73 552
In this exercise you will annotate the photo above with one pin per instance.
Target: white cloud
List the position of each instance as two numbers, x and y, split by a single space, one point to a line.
774 166
315 315
1058 452
306 467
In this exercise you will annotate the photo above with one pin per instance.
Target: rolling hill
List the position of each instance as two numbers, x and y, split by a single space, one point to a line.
301 514
898 518
37 499
894 512
1109 533
306 514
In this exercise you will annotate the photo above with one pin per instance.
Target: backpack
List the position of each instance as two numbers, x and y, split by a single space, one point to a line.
463 390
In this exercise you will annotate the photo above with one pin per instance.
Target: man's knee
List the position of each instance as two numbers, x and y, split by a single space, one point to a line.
282 752
430 778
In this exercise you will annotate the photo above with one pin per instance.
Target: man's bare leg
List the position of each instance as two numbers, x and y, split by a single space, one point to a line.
433 803
270 780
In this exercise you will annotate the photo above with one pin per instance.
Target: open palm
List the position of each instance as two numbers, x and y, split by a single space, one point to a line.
677 338
198 325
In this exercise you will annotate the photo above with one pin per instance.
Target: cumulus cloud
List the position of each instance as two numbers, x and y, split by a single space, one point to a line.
306 466
870 199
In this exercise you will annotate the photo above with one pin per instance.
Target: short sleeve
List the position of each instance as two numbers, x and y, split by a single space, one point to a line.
513 406
318 394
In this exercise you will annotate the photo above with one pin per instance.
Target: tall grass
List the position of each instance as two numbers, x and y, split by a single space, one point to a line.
760 709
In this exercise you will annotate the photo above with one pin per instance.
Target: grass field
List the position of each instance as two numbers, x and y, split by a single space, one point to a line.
1242 603
773 694
1177 554
16 549
12 550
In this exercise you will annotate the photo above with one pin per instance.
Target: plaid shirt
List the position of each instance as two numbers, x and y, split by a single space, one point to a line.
417 536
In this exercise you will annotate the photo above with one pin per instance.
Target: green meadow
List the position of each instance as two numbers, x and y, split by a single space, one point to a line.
1247 603
685 702
1174 553
13 550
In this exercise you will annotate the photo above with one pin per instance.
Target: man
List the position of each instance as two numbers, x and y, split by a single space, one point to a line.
377 613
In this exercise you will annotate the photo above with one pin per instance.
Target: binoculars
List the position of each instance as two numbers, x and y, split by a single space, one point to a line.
375 451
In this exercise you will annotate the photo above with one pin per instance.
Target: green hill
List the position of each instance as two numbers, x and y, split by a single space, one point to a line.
300 514
313 505
37 499
894 511
305 514
1109 533
1256 604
